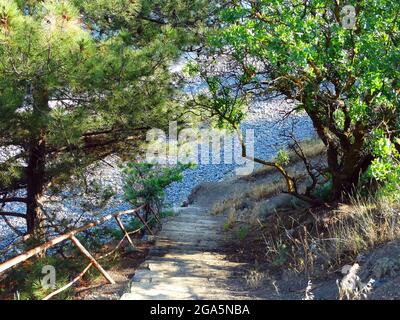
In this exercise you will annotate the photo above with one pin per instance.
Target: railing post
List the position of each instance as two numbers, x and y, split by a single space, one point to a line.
155 213
121 225
93 260
144 222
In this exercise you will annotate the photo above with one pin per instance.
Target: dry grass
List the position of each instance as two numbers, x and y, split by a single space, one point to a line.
230 221
262 192
255 278
250 199
249 202
309 295
351 287
311 148
365 224
317 242
314 241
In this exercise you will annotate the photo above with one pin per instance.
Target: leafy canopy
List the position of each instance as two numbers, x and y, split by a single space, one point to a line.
347 78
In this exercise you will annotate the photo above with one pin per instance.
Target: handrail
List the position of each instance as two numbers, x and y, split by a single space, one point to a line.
71 236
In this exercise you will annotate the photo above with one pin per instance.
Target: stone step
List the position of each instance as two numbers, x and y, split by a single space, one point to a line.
215 275
192 228
148 276
165 250
187 285
162 240
161 266
194 255
180 291
181 244
190 211
201 214
193 237
196 234
195 221
216 228
187 261
168 248
156 295
206 263
172 270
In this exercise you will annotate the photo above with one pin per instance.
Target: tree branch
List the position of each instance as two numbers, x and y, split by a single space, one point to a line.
13 199
8 223
13 214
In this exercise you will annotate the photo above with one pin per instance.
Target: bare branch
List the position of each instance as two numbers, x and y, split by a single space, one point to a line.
13 199
13 214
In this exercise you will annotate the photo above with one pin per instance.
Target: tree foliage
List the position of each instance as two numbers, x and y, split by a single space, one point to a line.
83 79
145 183
346 78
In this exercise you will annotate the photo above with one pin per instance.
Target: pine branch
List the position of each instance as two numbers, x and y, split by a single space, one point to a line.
14 199
13 214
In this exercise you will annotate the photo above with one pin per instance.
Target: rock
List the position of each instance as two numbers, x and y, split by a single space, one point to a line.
189 266
386 267
382 262
292 281
185 204
361 258
270 206
346 269
148 238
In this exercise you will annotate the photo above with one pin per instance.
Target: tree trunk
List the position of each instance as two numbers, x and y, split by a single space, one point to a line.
346 154
348 171
37 165
35 188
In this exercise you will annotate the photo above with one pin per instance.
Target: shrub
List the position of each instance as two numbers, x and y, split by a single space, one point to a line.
26 280
145 182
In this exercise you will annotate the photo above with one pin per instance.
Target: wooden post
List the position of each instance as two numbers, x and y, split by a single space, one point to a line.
121 225
37 250
144 222
154 213
93 260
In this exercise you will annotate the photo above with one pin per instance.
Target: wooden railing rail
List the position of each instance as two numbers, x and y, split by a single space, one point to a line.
71 235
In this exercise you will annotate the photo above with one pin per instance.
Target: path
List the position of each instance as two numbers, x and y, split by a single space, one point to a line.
190 257
189 261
